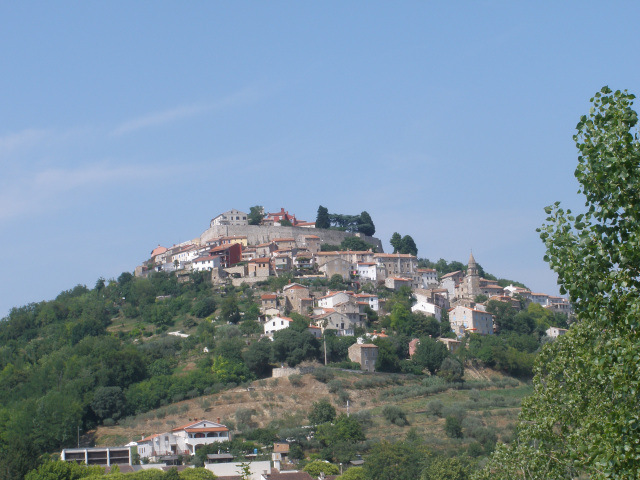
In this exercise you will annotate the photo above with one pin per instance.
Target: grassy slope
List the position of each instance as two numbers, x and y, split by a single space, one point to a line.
492 403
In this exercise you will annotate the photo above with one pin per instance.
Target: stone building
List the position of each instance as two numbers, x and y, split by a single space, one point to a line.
365 354
297 298
232 217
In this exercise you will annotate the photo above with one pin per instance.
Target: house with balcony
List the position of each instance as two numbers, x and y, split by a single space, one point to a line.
183 440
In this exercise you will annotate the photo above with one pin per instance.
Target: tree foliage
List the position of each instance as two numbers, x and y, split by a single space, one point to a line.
430 354
405 245
583 419
366 225
256 214
322 219
317 467
322 411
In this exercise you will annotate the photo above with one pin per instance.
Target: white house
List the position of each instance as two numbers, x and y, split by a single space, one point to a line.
428 309
371 300
367 271
540 298
465 319
277 323
206 263
555 332
427 277
333 298
183 440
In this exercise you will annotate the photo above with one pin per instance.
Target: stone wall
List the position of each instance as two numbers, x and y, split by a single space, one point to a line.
257 234
285 372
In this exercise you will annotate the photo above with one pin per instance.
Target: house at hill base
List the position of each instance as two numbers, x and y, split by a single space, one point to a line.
183 440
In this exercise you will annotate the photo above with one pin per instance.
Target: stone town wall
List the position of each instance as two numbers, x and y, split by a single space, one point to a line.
285 372
258 234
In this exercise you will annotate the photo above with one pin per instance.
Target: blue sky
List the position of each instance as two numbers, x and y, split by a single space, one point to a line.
131 124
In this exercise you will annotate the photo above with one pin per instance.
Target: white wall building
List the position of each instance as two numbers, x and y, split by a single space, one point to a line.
469 320
276 323
333 298
367 271
206 263
428 309
184 440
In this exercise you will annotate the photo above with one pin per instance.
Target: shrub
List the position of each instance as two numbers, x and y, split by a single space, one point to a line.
296 380
435 408
394 414
363 417
475 449
452 427
343 396
244 417
454 410
323 375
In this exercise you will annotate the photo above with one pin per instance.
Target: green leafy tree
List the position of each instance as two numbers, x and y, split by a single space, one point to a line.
322 219
354 473
204 307
300 322
257 357
394 414
340 436
322 411
59 470
256 214
583 418
408 246
451 370
355 243
317 467
430 354
108 402
336 282
396 242
395 461
196 474
453 427
365 225
387 360
444 468
294 347
229 311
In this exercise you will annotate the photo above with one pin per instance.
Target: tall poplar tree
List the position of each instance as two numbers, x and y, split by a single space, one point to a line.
583 418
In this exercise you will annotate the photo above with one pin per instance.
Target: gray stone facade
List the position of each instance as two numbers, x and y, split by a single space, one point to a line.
257 234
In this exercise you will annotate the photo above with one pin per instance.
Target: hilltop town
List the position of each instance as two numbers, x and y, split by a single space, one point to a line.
235 252
275 341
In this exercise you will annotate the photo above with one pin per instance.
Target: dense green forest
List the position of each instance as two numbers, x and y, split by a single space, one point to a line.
94 356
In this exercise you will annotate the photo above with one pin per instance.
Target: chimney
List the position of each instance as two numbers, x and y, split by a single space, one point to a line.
218 419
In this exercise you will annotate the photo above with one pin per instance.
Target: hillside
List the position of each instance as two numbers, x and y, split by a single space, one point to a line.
487 405
102 361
